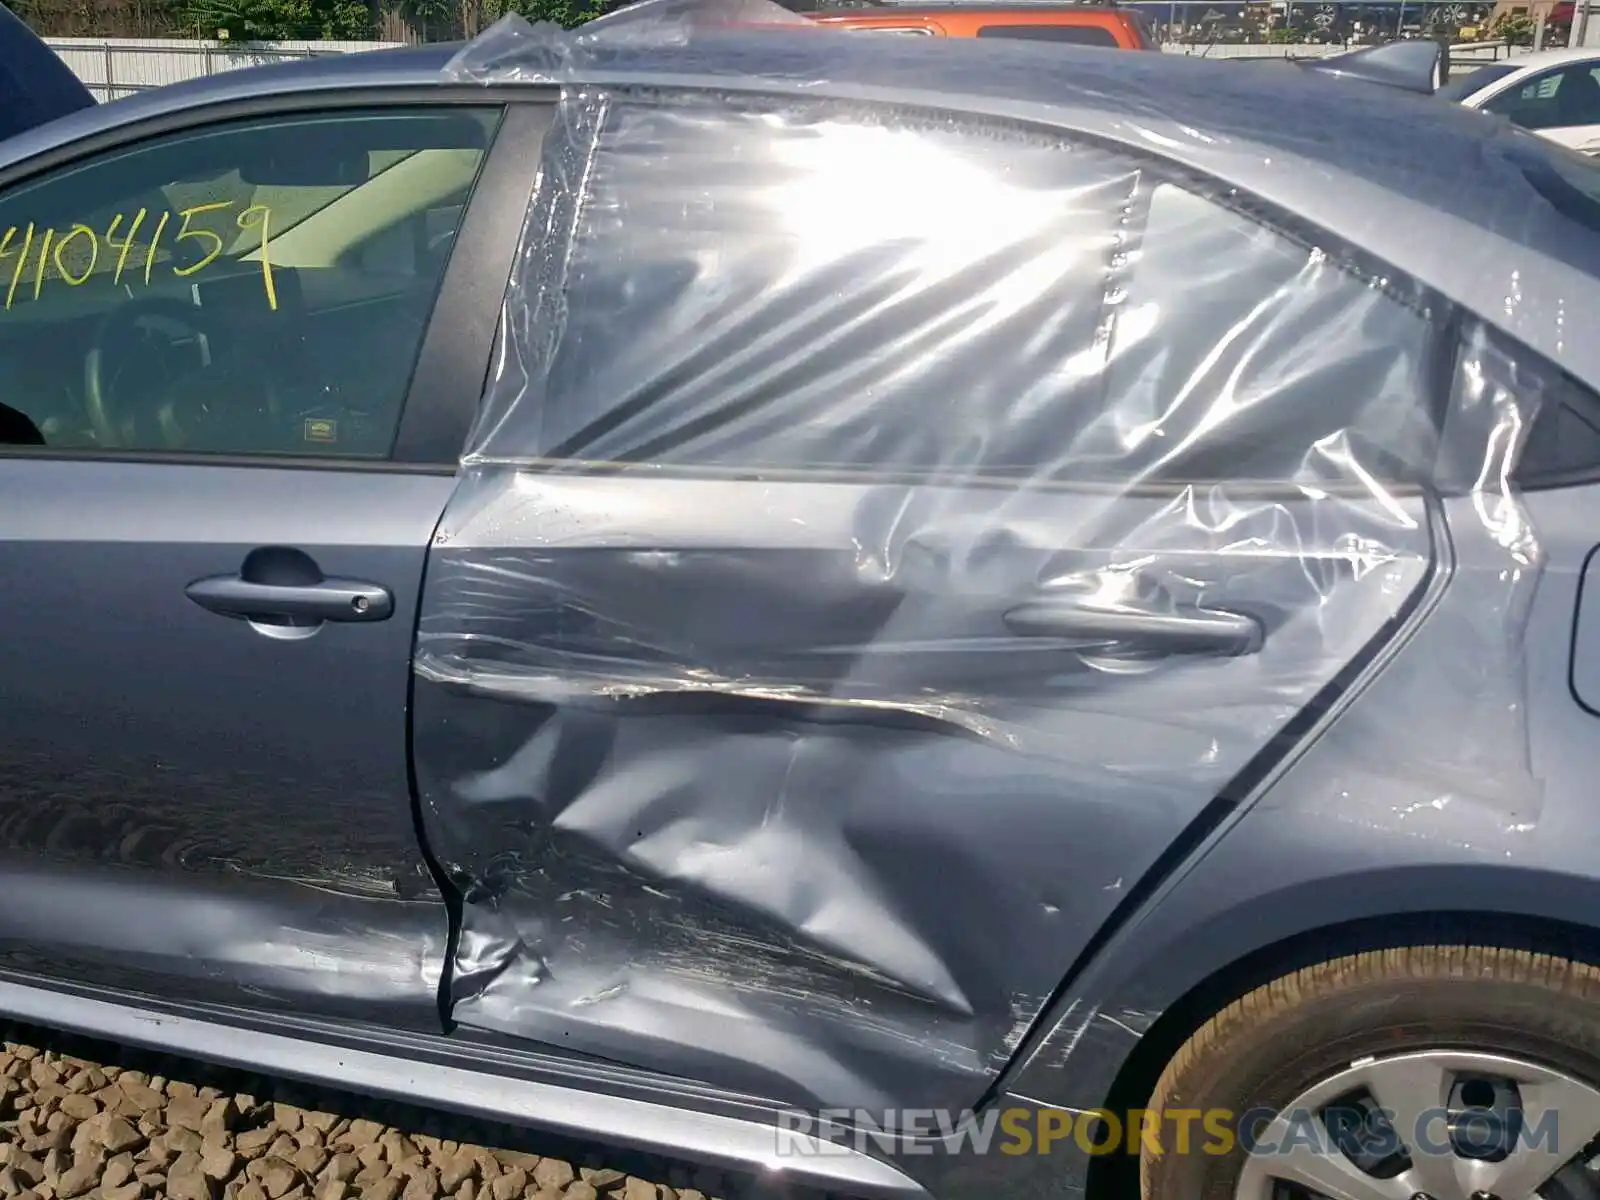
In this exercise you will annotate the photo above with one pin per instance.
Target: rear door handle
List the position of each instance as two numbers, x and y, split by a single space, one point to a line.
1186 630
329 600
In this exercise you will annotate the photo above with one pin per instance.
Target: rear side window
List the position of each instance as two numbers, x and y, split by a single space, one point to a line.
918 294
1565 439
1080 35
935 298
1307 366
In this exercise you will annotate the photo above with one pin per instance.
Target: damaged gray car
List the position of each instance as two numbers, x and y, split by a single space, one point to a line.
949 620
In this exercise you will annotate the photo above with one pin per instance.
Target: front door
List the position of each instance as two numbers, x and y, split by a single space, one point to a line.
212 550
892 536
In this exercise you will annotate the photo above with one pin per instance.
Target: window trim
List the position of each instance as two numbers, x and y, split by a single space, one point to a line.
436 412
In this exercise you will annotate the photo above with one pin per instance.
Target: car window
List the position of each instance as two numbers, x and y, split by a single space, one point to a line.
833 303
927 299
254 288
1562 444
1565 438
1082 35
1560 98
1464 87
1222 318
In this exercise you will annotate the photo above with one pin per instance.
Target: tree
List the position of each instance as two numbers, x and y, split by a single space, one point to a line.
106 18
277 20
566 13
1514 28
433 18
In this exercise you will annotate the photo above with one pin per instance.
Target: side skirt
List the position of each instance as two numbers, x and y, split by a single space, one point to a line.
581 1101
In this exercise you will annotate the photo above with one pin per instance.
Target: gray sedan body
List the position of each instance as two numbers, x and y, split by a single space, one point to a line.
611 784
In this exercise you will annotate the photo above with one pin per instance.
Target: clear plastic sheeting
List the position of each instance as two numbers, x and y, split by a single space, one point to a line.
514 50
886 532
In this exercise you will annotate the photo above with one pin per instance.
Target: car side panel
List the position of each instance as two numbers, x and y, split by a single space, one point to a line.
188 805
185 802
766 885
773 753
1328 845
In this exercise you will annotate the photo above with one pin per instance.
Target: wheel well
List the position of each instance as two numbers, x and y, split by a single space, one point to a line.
1116 1176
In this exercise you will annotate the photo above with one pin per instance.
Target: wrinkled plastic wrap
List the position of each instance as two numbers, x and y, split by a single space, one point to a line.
885 533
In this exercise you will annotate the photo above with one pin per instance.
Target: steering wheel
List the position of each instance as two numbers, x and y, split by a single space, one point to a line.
130 357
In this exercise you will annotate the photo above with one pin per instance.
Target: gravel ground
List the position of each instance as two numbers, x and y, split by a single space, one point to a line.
84 1119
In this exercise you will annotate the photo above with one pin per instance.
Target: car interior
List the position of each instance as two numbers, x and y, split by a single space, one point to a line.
256 290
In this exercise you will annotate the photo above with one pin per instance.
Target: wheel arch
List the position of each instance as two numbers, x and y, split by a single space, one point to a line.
1115 1177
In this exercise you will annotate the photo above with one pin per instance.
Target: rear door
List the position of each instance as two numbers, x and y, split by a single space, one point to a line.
230 368
886 538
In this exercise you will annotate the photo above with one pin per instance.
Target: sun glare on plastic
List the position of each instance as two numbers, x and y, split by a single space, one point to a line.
848 188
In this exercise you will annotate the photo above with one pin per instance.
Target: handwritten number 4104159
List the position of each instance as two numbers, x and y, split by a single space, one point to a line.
75 252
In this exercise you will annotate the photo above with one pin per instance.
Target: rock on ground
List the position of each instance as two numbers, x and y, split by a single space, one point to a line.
86 1120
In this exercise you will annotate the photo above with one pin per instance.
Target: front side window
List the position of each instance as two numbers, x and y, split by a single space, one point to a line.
1558 99
256 288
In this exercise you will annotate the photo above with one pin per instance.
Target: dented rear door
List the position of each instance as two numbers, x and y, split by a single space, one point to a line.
884 538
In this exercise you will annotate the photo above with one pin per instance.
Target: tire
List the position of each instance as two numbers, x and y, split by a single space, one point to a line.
1270 1047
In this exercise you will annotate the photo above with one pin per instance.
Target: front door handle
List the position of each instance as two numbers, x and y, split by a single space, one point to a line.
328 600
1181 630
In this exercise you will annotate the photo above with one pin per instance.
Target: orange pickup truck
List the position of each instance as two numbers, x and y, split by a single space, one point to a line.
1083 25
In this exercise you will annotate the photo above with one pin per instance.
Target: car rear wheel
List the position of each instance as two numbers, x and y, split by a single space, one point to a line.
1423 1073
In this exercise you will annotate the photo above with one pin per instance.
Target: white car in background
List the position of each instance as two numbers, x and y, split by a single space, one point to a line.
1555 93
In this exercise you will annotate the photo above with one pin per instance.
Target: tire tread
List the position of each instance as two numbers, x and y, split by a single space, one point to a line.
1352 972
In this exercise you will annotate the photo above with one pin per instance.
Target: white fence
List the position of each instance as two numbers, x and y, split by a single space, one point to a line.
117 67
